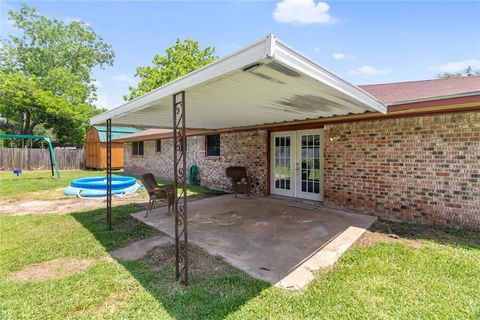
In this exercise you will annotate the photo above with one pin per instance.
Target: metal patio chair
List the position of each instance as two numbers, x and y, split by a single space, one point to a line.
156 192
241 182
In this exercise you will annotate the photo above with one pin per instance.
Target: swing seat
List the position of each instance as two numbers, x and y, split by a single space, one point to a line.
17 172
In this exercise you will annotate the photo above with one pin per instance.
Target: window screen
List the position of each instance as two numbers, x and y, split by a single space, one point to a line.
137 148
213 145
158 145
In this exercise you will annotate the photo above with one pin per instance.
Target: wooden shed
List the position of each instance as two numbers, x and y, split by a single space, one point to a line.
96 147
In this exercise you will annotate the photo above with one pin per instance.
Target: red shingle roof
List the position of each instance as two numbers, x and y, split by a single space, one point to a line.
398 92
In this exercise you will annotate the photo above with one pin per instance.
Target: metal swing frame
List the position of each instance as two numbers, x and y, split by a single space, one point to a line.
53 162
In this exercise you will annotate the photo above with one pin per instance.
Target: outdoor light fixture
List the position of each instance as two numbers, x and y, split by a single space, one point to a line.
252 67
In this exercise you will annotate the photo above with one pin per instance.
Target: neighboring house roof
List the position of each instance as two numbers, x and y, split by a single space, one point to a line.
154 134
412 91
117 132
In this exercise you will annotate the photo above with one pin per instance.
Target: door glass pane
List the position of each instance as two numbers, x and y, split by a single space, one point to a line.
282 163
310 163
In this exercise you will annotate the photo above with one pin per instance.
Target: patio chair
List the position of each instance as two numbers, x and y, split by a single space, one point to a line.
156 192
241 182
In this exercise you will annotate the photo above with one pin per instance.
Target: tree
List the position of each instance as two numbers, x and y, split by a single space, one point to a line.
469 71
25 104
45 77
180 59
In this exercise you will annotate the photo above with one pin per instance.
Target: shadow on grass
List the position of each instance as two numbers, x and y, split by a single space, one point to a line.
467 238
216 289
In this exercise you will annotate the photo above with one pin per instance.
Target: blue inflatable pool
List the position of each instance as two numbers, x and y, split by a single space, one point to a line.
97 186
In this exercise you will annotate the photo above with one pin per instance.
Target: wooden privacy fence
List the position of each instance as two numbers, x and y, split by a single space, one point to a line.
39 159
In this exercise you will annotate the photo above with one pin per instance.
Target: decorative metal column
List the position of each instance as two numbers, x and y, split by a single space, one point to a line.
180 181
109 174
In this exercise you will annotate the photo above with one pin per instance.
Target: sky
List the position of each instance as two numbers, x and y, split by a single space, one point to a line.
362 42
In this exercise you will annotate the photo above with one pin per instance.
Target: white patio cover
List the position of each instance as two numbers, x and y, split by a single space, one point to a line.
264 83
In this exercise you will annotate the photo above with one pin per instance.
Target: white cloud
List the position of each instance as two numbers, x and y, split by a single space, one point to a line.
302 12
123 78
316 49
339 56
342 56
457 66
68 20
97 83
368 70
102 100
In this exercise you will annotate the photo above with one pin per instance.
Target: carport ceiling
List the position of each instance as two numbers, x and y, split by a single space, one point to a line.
265 83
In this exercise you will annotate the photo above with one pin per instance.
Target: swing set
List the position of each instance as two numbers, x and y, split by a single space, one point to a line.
18 170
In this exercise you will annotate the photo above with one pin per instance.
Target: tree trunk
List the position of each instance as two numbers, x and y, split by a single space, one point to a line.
20 122
31 127
26 125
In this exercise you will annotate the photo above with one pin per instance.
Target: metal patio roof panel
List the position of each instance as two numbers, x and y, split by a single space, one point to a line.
266 82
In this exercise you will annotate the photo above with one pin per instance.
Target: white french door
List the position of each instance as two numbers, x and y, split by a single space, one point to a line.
296 164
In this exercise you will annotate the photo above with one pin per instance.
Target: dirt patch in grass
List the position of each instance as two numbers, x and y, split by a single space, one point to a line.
113 301
200 262
108 306
53 269
413 234
62 206
370 239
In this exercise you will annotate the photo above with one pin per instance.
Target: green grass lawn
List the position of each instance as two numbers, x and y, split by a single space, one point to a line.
41 185
437 278
427 273
13 187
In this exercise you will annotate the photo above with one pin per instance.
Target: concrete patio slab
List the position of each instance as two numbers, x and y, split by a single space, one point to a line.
266 237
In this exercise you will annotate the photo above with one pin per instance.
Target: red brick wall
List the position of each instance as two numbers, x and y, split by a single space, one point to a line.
246 148
423 169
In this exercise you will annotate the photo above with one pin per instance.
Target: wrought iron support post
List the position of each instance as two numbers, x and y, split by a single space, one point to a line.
180 181
109 174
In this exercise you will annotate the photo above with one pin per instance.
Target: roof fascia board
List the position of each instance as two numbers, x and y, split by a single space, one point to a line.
459 95
240 59
295 60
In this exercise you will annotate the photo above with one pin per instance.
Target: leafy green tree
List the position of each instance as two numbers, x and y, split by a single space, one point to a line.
45 77
180 59
469 71
25 104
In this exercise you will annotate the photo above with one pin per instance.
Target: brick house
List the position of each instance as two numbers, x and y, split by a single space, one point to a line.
407 151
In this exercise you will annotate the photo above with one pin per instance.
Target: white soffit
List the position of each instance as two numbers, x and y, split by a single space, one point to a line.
267 82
